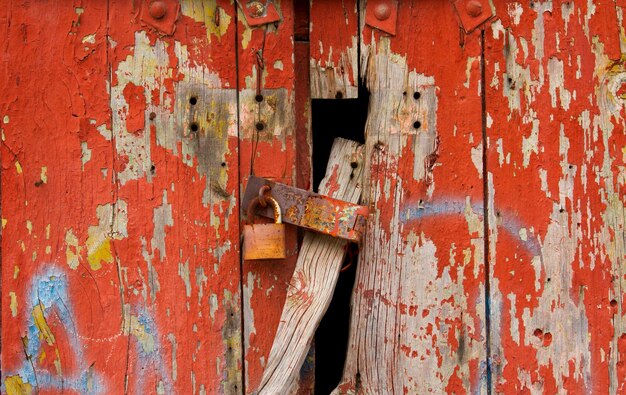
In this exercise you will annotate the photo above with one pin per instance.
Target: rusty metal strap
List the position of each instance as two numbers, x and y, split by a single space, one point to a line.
310 210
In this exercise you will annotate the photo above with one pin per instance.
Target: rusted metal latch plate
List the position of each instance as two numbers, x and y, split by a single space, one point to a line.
259 12
310 210
382 15
473 13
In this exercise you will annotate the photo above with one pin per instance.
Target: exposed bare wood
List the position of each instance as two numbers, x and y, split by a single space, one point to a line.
417 323
315 276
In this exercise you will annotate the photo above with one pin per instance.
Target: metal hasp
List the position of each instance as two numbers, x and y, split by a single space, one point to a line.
382 15
473 13
259 12
160 15
310 210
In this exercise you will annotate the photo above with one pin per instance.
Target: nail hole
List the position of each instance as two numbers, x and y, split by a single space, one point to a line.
259 126
38 183
613 303
223 164
417 95
193 100
193 127
417 124
354 165
258 98
538 332
548 279
338 95
152 115
404 93
152 169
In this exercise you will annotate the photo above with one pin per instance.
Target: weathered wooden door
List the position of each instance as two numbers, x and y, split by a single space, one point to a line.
495 171
128 130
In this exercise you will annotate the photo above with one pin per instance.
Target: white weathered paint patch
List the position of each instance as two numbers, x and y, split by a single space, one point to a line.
530 144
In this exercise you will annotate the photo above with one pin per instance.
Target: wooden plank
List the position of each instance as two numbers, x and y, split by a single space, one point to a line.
267 148
126 275
418 308
556 163
334 40
313 282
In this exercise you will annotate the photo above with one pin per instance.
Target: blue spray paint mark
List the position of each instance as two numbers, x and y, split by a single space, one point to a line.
506 222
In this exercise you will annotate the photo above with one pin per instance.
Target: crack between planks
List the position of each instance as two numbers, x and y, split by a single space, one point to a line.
486 241
242 331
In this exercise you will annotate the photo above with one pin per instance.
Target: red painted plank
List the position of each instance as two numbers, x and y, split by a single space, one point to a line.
556 188
418 323
334 33
267 149
120 220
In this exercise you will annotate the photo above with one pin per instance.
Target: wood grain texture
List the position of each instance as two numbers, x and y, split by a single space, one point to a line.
556 174
315 276
120 245
266 67
334 40
417 322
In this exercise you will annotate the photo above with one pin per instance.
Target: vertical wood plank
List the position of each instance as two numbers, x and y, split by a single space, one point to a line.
417 321
56 180
128 281
267 149
334 37
556 179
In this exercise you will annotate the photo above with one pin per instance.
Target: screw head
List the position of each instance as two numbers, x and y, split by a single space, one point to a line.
157 9
382 11
473 8
256 9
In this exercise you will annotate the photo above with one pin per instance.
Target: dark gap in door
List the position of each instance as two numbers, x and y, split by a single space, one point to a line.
331 119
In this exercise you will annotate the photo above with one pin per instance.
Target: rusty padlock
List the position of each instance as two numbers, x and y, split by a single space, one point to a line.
264 241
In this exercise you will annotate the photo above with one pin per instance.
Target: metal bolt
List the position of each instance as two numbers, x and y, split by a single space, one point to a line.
473 8
157 9
256 9
382 11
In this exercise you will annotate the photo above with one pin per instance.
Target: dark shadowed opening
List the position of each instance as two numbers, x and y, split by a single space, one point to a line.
330 119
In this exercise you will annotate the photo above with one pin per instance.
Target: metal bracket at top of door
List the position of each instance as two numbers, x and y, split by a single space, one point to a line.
259 12
472 13
382 15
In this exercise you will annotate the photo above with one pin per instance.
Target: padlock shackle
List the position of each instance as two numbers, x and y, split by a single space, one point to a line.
278 215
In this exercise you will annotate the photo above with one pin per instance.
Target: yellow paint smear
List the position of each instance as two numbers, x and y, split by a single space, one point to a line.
18 167
98 250
13 304
204 12
42 325
4 222
16 271
15 386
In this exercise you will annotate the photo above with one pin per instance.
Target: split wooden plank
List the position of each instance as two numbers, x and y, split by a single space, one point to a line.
418 309
556 177
315 276
334 38
267 148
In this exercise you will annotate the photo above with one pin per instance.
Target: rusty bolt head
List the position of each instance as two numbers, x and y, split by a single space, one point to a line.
382 11
157 9
473 8
256 9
